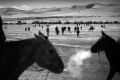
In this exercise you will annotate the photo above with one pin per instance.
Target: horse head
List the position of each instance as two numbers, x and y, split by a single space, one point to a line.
100 45
49 57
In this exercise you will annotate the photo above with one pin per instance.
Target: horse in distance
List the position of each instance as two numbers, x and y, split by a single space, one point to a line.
112 52
17 56
91 28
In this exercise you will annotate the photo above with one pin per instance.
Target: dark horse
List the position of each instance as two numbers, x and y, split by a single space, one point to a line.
17 56
112 52
91 28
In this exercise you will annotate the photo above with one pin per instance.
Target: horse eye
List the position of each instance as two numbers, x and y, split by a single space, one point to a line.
50 51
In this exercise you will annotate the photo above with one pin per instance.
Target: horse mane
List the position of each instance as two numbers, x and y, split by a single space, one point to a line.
2 35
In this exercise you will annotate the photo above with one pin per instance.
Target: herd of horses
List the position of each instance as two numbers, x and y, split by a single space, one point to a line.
17 56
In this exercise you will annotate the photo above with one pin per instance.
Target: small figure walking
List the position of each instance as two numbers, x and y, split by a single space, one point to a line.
69 29
81 27
77 31
47 30
63 29
42 26
57 30
28 28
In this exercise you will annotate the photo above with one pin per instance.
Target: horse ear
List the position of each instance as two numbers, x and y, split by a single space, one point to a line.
40 36
36 36
39 33
103 34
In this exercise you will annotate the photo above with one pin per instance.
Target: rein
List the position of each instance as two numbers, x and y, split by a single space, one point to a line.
101 62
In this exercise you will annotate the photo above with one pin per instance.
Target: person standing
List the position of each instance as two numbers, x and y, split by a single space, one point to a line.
28 28
81 27
77 31
57 30
63 29
69 29
47 30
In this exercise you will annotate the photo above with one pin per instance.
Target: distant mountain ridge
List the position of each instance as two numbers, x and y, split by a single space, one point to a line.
89 9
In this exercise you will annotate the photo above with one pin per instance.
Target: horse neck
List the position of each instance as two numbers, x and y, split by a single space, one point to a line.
112 46
111 51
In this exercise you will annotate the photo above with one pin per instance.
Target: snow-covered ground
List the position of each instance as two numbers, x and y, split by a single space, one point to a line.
66 46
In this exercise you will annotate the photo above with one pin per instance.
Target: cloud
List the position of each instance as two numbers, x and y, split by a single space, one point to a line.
23 7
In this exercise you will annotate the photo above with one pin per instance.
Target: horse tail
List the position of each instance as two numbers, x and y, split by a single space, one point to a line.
2 35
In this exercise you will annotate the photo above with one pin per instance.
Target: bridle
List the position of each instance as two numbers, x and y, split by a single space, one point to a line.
101 62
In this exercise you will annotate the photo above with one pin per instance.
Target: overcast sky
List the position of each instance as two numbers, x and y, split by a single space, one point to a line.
27 4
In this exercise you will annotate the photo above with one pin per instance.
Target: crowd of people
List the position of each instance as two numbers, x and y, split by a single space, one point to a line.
62 29
77 29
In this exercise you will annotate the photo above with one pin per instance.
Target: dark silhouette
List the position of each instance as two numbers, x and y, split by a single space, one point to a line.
63 29
69 29
42 26
2 35
91 28
28 28
75 28
112 52
56 30
77 31
81 27
39 25
47 30
102 26
17 56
